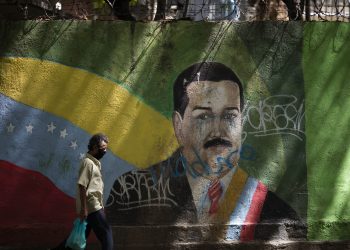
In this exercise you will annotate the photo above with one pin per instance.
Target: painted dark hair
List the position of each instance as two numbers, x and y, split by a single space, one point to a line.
204 71
96 140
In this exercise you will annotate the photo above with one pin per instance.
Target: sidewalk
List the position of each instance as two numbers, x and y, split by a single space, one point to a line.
275 245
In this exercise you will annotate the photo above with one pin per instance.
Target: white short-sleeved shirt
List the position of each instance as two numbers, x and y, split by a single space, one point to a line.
90 177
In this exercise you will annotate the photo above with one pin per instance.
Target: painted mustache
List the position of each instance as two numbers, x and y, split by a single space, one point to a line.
217 142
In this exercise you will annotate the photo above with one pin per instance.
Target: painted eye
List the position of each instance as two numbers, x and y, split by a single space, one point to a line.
230 116
203 116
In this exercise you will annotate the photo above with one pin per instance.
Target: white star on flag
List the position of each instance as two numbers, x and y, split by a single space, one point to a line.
29 128
51 127
63 133
81 156
73 144
10 128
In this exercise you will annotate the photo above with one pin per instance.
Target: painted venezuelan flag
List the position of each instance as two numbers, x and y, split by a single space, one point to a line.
46 122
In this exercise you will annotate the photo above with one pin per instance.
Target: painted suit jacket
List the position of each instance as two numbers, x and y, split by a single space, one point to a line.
161 195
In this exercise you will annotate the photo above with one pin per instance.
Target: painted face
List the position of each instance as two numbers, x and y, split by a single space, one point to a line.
210 130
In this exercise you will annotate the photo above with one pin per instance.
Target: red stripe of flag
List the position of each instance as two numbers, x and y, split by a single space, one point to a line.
253 216
33 210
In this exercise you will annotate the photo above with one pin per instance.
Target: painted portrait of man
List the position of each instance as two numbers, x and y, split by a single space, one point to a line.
201 183
208 126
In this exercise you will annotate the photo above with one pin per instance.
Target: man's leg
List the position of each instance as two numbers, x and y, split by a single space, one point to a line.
98 222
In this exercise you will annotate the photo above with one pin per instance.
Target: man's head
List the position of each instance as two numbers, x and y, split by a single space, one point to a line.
98 145
208 101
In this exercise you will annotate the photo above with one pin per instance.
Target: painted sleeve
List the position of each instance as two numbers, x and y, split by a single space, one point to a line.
85 173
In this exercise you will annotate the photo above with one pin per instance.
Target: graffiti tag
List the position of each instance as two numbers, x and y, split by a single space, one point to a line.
268 118
138 189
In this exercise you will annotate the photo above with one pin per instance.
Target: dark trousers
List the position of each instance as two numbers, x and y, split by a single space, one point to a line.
98 223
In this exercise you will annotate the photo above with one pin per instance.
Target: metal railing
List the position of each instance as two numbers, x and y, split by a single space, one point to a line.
196 10
329 10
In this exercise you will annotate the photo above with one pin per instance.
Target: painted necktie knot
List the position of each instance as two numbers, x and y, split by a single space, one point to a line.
214 193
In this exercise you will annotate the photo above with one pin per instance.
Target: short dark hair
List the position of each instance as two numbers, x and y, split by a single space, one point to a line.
96 139
204 71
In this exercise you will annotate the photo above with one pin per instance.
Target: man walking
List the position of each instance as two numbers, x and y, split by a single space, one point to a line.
89 201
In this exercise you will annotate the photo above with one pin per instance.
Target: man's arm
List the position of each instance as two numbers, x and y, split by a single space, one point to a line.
83 210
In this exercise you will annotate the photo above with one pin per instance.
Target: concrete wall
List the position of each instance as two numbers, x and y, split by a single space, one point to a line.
281 160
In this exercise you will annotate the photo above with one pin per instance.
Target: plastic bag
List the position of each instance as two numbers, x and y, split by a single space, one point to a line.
77 239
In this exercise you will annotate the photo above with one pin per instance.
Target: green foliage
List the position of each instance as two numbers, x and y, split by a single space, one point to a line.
132 3
98 4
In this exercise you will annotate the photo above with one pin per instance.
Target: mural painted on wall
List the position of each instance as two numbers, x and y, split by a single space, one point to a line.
201 182
211 134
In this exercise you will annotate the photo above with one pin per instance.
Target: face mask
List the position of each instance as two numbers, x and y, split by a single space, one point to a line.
100 154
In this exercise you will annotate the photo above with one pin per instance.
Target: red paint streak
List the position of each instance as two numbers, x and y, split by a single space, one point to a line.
33 211
253 216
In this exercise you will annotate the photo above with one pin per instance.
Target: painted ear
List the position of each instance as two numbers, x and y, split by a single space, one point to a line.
177 124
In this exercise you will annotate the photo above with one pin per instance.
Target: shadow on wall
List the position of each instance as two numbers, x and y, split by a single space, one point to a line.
327 129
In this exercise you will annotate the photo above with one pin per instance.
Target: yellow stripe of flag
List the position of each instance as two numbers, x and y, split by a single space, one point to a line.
137 133
232 195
